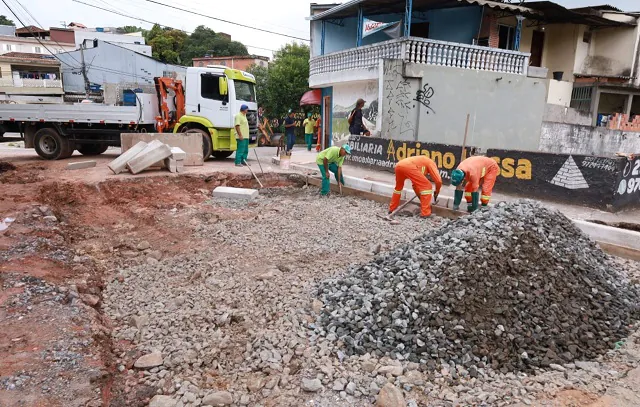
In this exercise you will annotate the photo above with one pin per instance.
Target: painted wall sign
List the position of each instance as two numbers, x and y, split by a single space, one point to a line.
609 183
628 187
384 153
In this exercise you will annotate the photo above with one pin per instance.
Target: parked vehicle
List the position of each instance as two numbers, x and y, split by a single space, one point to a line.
205 104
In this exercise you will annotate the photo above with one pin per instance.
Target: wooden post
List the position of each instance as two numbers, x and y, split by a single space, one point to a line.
464 142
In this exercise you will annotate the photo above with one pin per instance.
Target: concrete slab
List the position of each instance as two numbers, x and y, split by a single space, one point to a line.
235 193
178 154
120 164
148 158
190 143
174 165
78 165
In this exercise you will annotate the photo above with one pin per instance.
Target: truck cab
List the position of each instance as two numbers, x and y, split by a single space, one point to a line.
213 97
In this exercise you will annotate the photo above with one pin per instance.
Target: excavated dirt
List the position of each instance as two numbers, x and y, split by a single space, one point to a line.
94 275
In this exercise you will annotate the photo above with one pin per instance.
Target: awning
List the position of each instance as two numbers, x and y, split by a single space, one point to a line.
312 97
554 13
377 7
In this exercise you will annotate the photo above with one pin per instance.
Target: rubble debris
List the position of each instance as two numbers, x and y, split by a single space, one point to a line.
80 165
484 290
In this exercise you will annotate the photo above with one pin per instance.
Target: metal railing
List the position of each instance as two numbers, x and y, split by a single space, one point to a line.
423 51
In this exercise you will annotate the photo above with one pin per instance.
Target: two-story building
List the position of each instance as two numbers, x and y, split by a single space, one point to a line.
30 78
424 65
241 62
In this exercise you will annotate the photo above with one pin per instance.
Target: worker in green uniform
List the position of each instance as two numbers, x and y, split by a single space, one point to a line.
309 125
331 159
241 130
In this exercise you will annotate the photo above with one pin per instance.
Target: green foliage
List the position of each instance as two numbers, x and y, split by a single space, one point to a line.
128 29
5 21
280 87
204 41
167 43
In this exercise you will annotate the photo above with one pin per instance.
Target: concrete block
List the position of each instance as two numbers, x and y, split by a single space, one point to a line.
119 164
174 165
78 165
235 193
382 189
178 154
357 183
148 158
190 143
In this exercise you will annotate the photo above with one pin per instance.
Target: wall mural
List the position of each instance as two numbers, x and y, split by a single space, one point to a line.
344 101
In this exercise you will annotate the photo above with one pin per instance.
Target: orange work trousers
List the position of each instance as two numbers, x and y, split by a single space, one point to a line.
421 186
488 182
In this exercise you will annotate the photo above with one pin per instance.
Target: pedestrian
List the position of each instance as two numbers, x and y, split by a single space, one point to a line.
241 127
356 125
290 131
309 125
331 159
416 169
470 175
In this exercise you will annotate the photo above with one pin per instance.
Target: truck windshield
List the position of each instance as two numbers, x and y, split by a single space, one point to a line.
245 91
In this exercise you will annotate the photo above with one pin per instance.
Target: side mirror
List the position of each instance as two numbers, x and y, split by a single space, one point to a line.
223 85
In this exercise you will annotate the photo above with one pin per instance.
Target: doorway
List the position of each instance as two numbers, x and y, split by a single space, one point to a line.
537 45
326 122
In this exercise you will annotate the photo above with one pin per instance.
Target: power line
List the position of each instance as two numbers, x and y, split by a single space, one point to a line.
40 25
153 23
226 21
33 35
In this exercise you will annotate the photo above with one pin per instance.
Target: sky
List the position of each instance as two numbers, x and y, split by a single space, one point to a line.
282 16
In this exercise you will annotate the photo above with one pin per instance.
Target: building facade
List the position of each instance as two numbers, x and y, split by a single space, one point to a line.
26 43
236 62
30 78
423 68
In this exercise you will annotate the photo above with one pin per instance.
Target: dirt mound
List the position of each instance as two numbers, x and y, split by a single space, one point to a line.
6 166
513 287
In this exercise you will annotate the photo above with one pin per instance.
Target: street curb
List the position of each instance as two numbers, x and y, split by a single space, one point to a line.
619 242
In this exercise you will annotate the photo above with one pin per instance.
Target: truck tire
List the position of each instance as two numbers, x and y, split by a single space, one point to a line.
92 149
207 144
50 145
222 154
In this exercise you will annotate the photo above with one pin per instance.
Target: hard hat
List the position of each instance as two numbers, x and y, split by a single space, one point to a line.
456 177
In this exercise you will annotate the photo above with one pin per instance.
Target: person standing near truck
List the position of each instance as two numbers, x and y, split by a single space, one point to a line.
290 131
241 129
309 126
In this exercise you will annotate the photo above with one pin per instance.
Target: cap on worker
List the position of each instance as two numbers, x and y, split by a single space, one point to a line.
244 107
347 148
456 177
309 114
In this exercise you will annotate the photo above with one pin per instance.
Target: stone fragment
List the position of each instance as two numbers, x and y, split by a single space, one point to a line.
162 401
390 396
149 361
218 398
311 385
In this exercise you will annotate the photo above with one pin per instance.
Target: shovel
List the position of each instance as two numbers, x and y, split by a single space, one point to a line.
390 216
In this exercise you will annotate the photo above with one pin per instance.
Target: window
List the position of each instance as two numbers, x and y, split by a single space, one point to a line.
245 91
9 47
210 87
506 34
37 50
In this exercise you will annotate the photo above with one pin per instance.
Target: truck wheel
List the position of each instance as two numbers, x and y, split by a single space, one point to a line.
92 149
50 145
207 144
222 154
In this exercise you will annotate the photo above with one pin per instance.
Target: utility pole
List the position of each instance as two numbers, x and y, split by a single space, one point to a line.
84 72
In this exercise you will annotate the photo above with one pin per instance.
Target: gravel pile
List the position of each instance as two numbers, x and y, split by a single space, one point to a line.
514 287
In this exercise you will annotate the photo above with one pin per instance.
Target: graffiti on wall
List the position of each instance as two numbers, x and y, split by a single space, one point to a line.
424 97
628 191
399 104
344 101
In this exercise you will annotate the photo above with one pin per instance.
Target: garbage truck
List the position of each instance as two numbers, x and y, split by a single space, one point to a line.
206 104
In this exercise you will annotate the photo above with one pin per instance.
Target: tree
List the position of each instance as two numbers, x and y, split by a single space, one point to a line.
204 41
5 21
128 29
167 43
280 87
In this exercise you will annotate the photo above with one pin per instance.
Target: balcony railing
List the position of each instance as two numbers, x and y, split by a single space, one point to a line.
423 51
30 83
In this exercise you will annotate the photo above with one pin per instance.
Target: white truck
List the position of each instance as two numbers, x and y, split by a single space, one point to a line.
207 104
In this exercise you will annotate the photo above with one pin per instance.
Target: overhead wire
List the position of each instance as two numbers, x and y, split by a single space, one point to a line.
226 21
153 23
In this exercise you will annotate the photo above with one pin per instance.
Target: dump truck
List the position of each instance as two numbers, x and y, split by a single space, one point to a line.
206 104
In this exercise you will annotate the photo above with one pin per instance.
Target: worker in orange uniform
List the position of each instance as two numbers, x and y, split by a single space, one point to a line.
471 174
416 169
